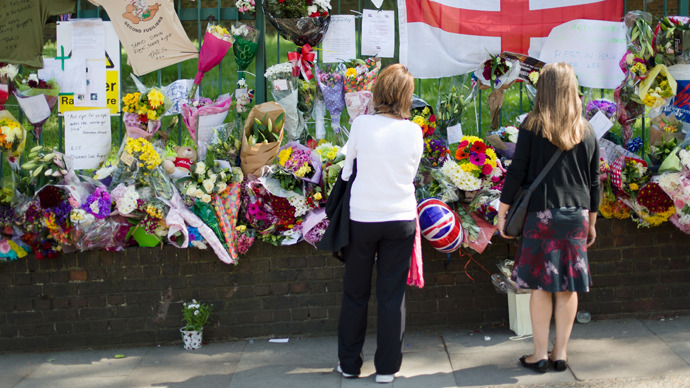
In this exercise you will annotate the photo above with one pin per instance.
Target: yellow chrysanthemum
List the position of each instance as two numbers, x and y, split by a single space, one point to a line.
155 98
351 72
302 171
469 167
284 155
634 186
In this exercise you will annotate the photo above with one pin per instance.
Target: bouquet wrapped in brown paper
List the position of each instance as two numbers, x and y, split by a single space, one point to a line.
263 133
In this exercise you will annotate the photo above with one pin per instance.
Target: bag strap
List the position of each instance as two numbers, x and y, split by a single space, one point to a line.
545 171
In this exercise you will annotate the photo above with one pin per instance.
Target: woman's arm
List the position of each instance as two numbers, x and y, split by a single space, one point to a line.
501 219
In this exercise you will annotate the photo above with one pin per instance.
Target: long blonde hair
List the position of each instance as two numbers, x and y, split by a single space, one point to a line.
557 113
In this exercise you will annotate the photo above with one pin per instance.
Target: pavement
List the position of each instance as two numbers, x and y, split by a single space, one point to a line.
603 353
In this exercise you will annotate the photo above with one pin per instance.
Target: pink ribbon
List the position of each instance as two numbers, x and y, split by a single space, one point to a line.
302 61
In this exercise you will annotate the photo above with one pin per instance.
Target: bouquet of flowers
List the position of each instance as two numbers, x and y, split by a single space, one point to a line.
245 6
34 108
652 205
425 118
677 186
629 105
485 204
604 106
217 42
449 110
206 181
285 92
661 150
246 44
656 90
639 34
12 135
7 74
140 163
305 102
331 83
629 174
314 226
497 73
224 146
261 140
668 37
435 152
504 140
300 162
211 113
245 238
55 208
664 134
143 111
475 165
43 168
360 76
300 21
332 161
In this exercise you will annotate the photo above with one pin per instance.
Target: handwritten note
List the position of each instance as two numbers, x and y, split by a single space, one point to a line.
378 33
592 47
17 17
455 134
339 43
601 124
87 137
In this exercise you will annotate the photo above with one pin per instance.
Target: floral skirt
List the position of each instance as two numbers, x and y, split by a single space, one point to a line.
552 254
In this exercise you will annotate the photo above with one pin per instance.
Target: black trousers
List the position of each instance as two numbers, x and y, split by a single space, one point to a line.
389 245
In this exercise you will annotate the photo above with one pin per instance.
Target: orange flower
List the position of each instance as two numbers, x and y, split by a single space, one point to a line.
461 154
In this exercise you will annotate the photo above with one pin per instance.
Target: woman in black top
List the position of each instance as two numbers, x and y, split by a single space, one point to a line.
560 225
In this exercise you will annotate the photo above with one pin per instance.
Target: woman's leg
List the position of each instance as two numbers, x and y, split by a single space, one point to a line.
540 309
359 264
392 265
566 309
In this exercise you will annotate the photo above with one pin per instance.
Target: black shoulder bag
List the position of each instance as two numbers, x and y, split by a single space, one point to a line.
515 219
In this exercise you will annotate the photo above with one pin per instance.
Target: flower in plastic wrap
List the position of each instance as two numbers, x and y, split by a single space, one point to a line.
245 6
98 204
12 134
677 186
629 174
143 111
205 181
215 110
657 89
300 21
504 140
34 86
332 86
245 238
245 46
474 165
300 161
217 42
608 108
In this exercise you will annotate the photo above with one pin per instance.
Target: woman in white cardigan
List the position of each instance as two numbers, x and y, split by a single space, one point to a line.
387 148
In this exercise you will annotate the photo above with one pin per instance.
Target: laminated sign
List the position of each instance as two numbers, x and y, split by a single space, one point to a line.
150 32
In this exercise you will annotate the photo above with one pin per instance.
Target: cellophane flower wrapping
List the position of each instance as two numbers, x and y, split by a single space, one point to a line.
299 21
227 207
217 42
139 163
668 37
331 83
629 174
658 88
245 46
7 74
332 161
12 134
314 226
33 86
208 180
300 161
285 92
474 166
504 140
143 112
205 111
305 103
677 186
608 108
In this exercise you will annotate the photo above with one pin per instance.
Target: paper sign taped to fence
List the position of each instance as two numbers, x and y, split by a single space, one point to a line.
88 137
378 33
111 55
339 43
601 124
592 47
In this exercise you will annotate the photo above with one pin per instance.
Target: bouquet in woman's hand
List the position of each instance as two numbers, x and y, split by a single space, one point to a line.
35 108
143 112
332 85
217 42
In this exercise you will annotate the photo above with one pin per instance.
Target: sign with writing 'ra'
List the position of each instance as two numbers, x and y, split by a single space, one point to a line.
111 54
87 137
592 47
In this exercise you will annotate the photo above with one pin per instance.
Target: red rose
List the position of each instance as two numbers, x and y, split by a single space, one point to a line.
432 119
312 143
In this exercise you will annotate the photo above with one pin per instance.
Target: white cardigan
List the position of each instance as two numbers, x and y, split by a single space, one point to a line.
388 152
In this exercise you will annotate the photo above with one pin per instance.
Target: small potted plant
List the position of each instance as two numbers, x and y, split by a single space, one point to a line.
195 315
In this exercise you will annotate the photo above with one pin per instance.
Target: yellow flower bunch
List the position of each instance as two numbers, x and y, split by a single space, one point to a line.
154 211
350 72
131 102
143 150
327 151
302 171
11 134
611 207
284 156
656 219
220 32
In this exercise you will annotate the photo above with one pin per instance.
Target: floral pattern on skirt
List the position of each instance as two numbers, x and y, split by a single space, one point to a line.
552 254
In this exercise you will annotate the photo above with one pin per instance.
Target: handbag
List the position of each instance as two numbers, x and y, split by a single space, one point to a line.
515 219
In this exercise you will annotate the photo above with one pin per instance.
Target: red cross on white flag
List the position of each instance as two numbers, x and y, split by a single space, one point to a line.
440 38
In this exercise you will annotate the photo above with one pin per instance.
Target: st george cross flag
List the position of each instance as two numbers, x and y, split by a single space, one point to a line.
441 38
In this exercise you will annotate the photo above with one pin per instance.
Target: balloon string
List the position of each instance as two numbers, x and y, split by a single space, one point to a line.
471 259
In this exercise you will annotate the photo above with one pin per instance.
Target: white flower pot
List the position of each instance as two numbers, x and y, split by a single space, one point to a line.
191 338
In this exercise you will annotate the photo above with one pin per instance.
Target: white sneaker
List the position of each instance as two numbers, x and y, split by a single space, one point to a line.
346 375
385 379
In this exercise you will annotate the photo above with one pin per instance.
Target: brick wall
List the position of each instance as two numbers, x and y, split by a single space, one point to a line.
101 299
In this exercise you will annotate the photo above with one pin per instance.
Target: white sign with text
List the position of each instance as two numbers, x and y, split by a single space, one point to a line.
88 137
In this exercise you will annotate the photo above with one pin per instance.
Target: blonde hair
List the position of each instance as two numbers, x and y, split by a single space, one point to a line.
393 91
557 113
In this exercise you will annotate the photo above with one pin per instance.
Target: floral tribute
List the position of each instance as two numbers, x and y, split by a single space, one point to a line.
426 120
475 165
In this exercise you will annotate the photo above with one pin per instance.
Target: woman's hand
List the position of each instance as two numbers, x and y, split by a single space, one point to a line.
591 235
501 219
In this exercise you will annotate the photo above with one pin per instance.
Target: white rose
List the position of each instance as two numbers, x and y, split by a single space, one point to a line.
222 186
208 185
312 9
190 191
206 198
200 168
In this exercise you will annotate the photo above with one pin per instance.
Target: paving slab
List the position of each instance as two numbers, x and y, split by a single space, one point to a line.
16 367
210 366
675 331
499 339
